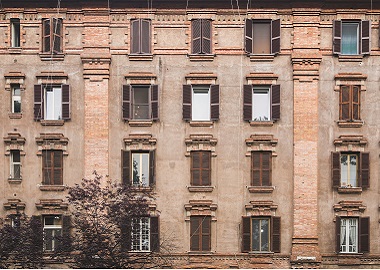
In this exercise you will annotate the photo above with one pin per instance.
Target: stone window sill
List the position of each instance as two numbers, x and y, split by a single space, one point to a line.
14 50
350 124
261 57
195 253
140 57
201 123
350 190
200 188
201 57
52 188
256 189
14 181
133 123
15 115
52 122
264 253
261 123
142 189
52 57
350 58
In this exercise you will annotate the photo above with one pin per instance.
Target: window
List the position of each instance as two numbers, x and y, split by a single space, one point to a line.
200 102
352 234
351 37
350 169
262 36
52 102
200 233
138 168
15 33
261 103
15 171
201 36
200 168
16 99
52 230
140 102
52 35
261 168
145 234
52 167
140 36
261 234
349 103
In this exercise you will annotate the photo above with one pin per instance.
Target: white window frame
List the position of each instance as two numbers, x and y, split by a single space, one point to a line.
346 181
267 89
16 98
349 226
140 155
15 33
357 37
51 105
261 233
205 114
13 163
53 228
140 234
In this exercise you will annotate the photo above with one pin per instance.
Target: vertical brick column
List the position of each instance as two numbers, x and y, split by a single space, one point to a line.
96 63
306 60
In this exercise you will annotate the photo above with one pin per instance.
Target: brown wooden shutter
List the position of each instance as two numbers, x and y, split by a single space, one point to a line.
126 167
365 37
195 233
37 232
337 233
196 36
152 167
276 234
127 102
46 167
247 102
145 36
255 168
66 113
135 36
276 36
337 37
38 102
335 169
154 234
364 231
186 104
57 167
195 168
154 102
206 36
46 35
248 36
214 102
206 168
66 236
355 91
364 170
275 102
57 35
206 233
125 234
266 168
246 234
344 103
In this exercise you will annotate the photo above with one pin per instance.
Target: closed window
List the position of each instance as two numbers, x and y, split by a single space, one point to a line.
349 103
201 36
352 234
261 234
144 234
261 168
16 99
200 233
201 168
15 33
140 36
52 35
52 167
200 102
15 170
138 168
52 230
261 103
262 36
351 37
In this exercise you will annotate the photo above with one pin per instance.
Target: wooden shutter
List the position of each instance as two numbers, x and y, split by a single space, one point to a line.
276 234
266 168
246 234
364 170
206 36
337 37
195 233
275 36
135 36
57 35
154 102
206 233
145 36
37 232
275 102
364 235
46 35
247 102
154 234
355 98
126 167
66 236
57 167
214 102
337 233
195 168
365 37
335 169
255 168
196 36
186 103
127 102
152 165
66 113
248 29
38 102
46 167
125 234
344 103
206 168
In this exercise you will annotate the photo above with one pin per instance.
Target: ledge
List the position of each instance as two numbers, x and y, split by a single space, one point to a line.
15 115
350 190
140 57
140 123
14 181
141 189
200 188
347 124
52 188
14 50
201 123
52 122
201 57
52 57
350 58
261 57
261 123
255 189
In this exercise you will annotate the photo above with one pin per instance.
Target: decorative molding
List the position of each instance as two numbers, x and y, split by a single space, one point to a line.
261 189
262 78
261 208
52 205
350 79
201 57
349 208
261 57
14 206
52 141
52 77
14 78
14 141
200 208
261 142
200 188
201 78
140 142
200 142
355 143
140 57
140 78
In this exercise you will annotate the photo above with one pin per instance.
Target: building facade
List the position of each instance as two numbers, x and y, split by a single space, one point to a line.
256 125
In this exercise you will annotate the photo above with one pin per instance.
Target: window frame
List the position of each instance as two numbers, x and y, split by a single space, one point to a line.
347 182
127 167
260 233
363 39
261 181
54 168
52 228
15 97
353 106
49 36
202 156
12 165
142 221
200 235
140 44
275 35
15 41
196 90
362 235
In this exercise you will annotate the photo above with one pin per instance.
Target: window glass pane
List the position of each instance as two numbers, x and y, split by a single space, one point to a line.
141 234
344 170
348 166
16 100
140 171
349 235
264 231
201 104
15 165
255 235
350 38
53 106
261 104
15 28
353 170
261 38
141 102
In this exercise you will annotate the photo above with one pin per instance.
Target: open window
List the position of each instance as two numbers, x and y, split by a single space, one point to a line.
351 37
352 234
262 36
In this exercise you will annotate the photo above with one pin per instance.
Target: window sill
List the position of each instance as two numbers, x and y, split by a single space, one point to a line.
200 188
201 57
14 181
261 57
255 189
350 190
50 57
350 58
52 122
14 50
349 124
201 123
195 253
15 115
261 123
141 189
148 123
140 57
268 253
52 188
